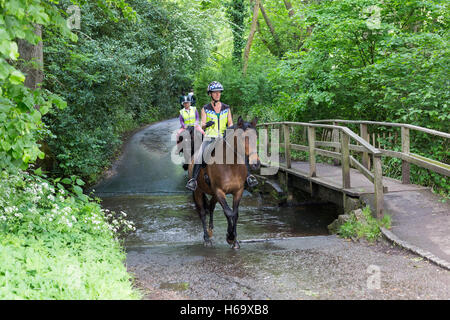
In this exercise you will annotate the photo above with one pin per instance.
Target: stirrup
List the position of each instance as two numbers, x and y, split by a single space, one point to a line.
192 184
251 181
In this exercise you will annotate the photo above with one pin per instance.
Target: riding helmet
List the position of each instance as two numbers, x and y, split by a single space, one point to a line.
215 86
185 99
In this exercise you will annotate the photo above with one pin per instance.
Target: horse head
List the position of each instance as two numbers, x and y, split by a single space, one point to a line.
251 137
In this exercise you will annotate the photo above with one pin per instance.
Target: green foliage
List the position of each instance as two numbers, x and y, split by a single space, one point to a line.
116 77
21 109
364 227
290 31
350 70
58 244
364 60
241 93
236 13
54 245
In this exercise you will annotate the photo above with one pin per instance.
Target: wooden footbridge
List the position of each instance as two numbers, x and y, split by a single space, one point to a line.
356 168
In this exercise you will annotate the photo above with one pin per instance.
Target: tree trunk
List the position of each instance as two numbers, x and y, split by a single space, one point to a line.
271 28
32 65
251 35
264 41
33 57
289 8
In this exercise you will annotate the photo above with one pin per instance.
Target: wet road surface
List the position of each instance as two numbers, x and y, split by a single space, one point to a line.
167 256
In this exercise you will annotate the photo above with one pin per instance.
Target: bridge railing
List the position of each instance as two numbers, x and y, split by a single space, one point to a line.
341 144
405 155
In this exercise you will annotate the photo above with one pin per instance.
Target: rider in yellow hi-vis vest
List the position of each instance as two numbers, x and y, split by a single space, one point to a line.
220 120
188 115
216 117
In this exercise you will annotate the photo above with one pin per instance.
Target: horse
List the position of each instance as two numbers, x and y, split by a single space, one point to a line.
218 180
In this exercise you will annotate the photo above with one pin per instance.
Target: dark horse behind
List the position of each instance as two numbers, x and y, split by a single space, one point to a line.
222 178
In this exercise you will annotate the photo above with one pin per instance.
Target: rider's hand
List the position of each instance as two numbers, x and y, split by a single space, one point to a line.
209 124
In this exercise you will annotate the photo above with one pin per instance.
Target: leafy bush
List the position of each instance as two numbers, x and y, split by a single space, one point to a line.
59 244
366 226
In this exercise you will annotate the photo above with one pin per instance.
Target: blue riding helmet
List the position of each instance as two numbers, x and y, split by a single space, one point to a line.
215 86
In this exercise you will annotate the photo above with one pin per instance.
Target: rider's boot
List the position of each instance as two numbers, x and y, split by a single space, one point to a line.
251 180
192 183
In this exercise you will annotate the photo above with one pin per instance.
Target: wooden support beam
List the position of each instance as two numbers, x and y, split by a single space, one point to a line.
312 154
287 145
365 135
362 169
335 138
345 141
378 186
405 150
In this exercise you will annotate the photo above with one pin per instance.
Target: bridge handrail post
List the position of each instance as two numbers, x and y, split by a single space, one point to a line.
312 153
405 150
378 186
335 138
345 153
287 145
365 135
265 142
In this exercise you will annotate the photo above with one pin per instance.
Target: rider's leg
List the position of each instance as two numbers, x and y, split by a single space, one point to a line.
192 183
251 180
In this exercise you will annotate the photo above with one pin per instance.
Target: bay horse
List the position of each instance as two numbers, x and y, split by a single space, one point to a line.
220 179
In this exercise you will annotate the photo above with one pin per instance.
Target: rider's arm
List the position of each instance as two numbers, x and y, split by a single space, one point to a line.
197 117
230 119
203 119
182 122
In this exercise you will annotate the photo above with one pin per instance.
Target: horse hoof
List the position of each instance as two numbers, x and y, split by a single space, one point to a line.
236 245
208 244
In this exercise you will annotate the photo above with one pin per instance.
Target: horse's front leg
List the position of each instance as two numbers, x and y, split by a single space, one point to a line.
237 196
229 214
200 204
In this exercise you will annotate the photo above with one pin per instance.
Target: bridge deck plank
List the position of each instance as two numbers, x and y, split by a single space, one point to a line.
331 176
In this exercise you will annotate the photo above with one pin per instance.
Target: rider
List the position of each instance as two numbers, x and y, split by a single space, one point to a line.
188 115
216 116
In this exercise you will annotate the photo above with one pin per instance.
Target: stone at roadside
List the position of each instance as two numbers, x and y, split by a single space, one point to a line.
333 227
359 215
